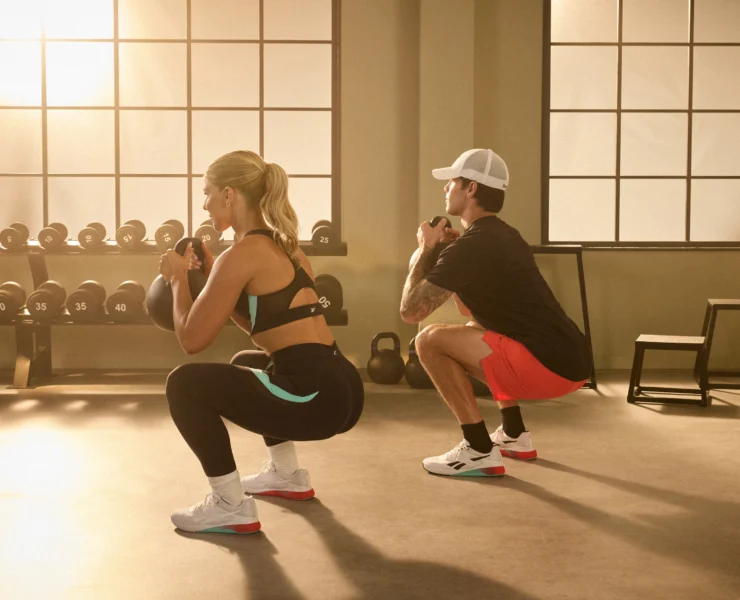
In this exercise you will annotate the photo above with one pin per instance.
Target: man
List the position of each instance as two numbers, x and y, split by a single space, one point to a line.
520 340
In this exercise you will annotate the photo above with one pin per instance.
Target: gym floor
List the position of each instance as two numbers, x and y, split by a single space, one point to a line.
625 502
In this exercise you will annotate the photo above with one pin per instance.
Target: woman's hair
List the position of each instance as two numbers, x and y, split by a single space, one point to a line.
264 185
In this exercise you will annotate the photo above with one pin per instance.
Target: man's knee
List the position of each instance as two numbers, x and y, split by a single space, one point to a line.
428 340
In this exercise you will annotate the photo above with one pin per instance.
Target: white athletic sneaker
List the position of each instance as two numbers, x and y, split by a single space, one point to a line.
462 460
520 447
214 515
271 482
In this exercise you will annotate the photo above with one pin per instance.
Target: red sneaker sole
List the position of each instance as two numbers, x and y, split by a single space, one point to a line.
240 529
530 455
289 495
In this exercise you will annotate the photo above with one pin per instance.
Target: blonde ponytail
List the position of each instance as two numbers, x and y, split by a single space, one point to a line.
278 211
262 184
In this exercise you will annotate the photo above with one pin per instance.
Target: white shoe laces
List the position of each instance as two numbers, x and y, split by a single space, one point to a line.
267 467
455 452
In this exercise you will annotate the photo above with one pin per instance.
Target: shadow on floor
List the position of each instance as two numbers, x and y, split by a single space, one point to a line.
705 534
373 574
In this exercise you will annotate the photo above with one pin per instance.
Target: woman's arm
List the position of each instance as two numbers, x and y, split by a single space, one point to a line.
198 323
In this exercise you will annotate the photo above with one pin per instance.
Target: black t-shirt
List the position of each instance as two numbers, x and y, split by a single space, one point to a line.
492 270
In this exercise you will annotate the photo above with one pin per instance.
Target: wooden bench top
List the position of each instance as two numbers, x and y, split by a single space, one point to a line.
689 341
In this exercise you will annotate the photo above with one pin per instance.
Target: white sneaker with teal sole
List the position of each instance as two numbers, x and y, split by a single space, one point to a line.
463 461
214 515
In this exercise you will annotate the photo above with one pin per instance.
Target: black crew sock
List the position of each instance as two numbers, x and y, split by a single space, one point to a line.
477 436
270 441
512 421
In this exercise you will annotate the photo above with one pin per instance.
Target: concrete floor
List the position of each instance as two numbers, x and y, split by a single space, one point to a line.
626 502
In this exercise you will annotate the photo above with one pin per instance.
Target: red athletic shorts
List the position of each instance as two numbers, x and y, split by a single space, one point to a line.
513 373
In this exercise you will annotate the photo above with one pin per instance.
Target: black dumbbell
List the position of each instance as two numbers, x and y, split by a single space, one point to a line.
329 291
415 374
85 304
53 236
208 234
130 234
92 236
385 366
441 245
12 300
14 237
126 304
46 301
324 234
168 234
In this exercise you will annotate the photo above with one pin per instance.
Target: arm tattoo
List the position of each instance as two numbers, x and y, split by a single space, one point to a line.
421 298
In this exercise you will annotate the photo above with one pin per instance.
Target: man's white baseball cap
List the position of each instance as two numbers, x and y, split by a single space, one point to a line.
481 165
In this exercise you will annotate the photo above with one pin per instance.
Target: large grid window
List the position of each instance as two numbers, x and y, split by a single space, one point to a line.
112 109
641 122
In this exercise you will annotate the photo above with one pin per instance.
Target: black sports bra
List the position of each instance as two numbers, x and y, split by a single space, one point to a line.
272 310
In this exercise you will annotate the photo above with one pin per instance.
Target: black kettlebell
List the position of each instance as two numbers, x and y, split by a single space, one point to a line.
385 366
159 297
442 245
415 374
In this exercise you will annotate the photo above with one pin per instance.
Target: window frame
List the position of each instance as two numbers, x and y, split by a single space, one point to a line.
190 174
546 177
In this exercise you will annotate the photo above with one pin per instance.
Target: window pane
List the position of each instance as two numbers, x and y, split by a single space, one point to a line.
154 142
717 78
20 20
200 215
716 144
153 74
22 200
146 19
218 132
300 142
585 20
655 21
79 74
81 141
654 144
311 199
20 73
715 210
652 210
716 21
154 200
655 78
20 150
582 210
298 75
77 201
583 144
213 64
583 77
84 19
297 19
225 19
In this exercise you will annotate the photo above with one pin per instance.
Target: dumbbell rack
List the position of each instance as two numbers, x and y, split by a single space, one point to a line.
33 338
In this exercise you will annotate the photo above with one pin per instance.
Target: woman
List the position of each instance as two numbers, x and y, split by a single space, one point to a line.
264 282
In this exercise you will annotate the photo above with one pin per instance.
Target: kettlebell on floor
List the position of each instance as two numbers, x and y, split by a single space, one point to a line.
385 366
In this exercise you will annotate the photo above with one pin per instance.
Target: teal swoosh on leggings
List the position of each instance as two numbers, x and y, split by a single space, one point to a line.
253 309
280 392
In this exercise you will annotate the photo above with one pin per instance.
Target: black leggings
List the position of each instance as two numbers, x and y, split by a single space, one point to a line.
305 392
